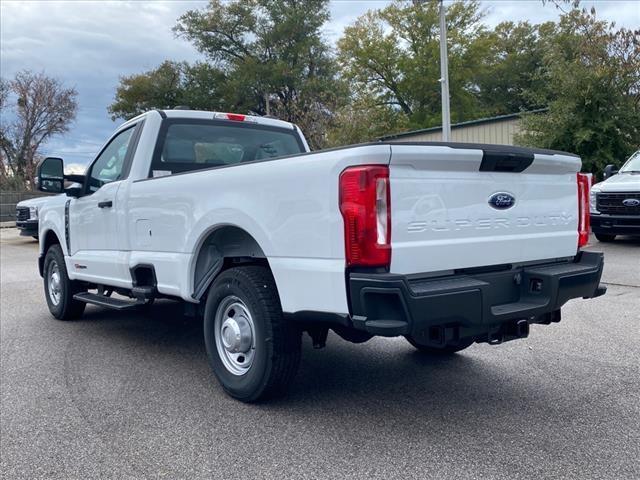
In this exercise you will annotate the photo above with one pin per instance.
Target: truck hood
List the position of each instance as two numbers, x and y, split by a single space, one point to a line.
34 202
622 182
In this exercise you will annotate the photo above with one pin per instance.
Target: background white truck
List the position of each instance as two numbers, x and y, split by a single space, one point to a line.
445 244
27 216
615 202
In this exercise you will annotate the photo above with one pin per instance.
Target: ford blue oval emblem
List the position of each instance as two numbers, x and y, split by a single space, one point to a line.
502 200
631 202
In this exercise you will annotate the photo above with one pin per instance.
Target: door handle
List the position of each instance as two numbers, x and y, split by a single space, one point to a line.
105 204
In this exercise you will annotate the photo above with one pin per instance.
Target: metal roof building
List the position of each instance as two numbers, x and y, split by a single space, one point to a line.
498 130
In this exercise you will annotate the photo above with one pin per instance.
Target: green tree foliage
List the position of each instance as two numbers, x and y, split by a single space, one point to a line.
393 55
171 84
258 51
385 76
363 120
271 51
592 77
510 79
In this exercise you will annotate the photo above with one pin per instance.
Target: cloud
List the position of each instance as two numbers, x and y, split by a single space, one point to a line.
74 168
90 44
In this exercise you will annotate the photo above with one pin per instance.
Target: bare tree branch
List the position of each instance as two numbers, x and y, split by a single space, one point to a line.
43 108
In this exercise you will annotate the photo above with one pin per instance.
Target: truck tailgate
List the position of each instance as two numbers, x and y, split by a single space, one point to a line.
448 206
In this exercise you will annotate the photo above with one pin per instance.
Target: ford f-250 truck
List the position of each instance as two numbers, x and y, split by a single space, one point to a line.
615 202
445 244
27 216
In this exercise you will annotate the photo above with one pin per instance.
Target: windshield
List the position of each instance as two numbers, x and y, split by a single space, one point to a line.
633 164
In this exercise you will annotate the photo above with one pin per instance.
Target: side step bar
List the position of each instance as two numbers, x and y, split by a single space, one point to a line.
104 301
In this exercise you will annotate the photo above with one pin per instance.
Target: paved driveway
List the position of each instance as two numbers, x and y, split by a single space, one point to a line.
123 395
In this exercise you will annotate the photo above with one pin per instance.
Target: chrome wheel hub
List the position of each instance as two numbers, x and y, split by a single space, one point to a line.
55 284
234 335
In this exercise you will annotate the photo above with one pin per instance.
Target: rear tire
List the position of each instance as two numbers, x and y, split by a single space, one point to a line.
253 351
59 289
603 237
446 350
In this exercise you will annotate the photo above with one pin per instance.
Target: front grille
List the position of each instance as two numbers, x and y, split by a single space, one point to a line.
22 214
611 203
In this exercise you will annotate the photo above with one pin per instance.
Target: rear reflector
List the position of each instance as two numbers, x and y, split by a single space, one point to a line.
583 208
366 210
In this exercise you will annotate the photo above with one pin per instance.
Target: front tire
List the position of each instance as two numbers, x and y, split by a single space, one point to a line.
603 237
253 351
59 289
449 349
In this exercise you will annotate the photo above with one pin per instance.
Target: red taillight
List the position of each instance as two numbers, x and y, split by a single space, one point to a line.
583 209
366 209
235 117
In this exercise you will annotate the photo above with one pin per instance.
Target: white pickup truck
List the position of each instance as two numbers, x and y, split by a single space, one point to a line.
615 202
444 244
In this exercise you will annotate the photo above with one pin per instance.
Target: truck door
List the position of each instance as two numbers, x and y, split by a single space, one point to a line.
93 225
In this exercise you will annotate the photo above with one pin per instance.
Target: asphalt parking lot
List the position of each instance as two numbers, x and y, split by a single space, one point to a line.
130 395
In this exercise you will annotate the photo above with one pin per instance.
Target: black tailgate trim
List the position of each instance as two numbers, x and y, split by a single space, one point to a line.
485 147
505 161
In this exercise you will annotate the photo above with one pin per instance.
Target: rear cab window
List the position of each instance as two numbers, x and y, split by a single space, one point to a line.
186 145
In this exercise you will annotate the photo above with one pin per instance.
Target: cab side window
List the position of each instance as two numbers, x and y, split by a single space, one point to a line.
108 167
189 145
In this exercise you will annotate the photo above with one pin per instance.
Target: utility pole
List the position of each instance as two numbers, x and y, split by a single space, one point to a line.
444 76
266 102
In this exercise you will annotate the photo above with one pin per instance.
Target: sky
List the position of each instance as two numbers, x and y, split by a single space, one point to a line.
90 44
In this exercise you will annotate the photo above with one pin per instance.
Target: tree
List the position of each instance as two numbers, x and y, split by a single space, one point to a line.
43 108
592 73
4 93
271 51
364 120
259 52
511 79
393 54
169 85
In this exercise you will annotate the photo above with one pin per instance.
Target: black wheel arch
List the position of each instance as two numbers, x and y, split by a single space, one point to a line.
50 239
222 248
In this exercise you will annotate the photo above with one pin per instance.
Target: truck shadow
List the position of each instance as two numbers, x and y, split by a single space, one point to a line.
383 378
620 241
402 381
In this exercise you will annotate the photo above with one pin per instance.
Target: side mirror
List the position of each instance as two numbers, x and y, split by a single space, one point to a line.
51 175
74 190
609 171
